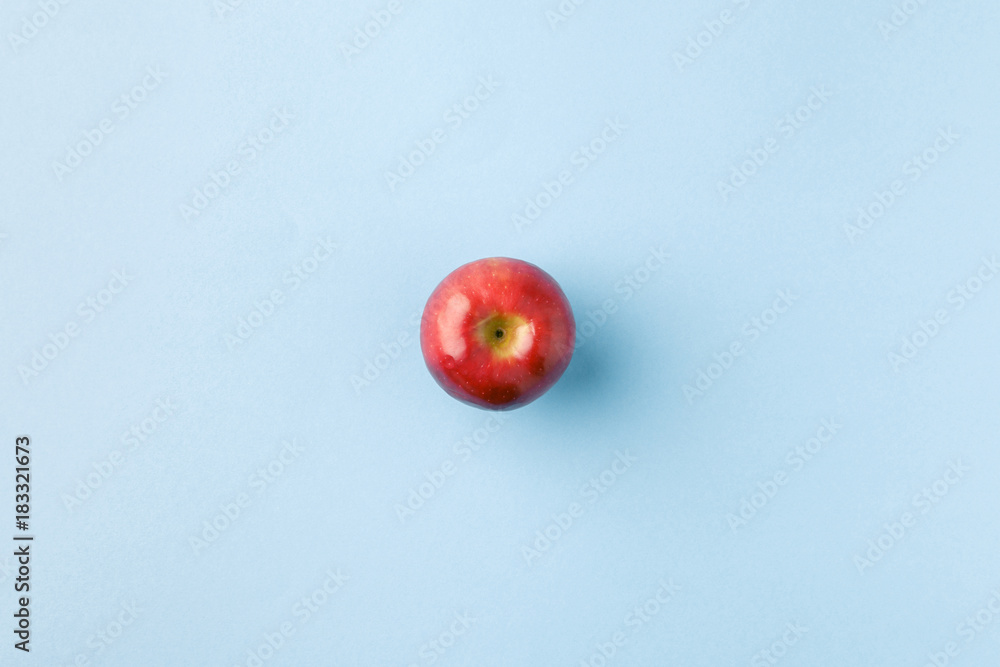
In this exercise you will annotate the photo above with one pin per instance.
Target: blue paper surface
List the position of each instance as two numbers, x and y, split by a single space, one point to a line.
777 227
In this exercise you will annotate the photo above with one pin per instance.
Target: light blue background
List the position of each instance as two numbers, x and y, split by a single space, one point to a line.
334 507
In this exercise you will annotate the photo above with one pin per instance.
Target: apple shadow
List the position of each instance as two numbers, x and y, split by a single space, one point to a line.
587 371
621 373
594 390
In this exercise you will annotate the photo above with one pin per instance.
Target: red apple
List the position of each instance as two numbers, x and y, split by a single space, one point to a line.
497 333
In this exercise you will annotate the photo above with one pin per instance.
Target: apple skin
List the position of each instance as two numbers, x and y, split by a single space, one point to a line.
497 333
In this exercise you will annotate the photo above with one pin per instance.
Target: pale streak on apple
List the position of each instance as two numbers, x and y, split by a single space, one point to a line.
523 340
449 325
